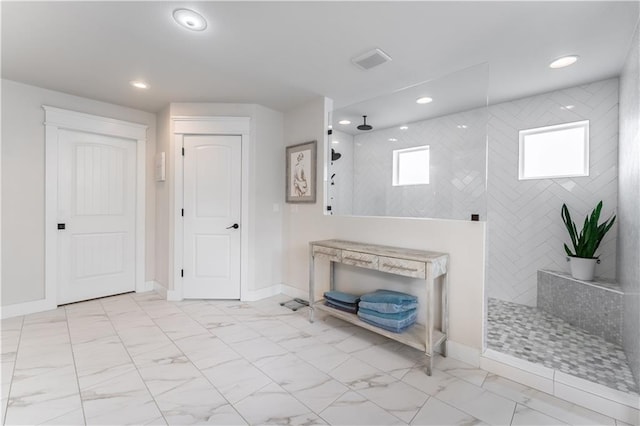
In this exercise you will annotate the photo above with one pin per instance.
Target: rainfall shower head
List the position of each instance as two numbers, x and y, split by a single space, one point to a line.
364 126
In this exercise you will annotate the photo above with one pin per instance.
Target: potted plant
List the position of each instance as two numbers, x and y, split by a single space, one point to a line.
583 259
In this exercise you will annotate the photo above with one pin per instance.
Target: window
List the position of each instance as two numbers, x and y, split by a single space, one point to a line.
411 166
555 151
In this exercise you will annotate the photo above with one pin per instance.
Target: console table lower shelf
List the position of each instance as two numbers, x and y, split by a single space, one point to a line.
415 336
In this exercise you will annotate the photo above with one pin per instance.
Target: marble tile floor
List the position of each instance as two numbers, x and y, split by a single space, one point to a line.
534 335
139 359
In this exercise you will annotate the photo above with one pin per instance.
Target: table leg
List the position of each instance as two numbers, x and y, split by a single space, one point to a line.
311 283
429 326
445 311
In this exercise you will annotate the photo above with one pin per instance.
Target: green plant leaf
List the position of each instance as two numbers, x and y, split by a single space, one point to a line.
566 248
587 241
571 227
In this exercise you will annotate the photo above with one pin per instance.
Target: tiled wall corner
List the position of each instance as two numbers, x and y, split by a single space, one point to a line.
629 203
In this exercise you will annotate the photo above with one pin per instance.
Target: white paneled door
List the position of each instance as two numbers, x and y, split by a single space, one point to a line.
212 190
96 215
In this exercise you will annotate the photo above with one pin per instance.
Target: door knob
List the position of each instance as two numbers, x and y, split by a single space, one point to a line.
234 226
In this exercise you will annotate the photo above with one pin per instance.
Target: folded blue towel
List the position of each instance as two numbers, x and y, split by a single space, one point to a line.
388 308
347 307
389 324
388 296
339 296
394 329
391 316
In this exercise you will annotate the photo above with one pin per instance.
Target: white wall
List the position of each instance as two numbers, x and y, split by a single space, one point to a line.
525 231
162 246
629 203
463 240
23 196
266 181
266 197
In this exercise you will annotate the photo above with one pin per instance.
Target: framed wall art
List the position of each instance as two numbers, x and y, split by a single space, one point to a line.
301 173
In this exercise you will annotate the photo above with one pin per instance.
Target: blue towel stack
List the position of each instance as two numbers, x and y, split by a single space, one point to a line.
343 301
391 310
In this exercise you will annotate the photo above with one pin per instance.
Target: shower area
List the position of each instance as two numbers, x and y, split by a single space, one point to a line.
469 154
536 311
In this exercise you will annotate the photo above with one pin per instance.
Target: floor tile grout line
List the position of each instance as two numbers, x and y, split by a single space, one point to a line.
251 394
382 408
75 367
454 407
133 362
13 371
515 408
419 409
187 356
333 402
311 366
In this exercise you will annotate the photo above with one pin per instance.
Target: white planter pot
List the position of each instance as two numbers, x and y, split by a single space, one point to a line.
582 268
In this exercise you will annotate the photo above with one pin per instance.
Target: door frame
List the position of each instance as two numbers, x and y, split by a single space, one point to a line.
60 119
195 125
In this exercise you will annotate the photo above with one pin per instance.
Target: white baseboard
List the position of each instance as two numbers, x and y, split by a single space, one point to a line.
27 308
160 289
174 296
463 353
147 286
294 292
263 293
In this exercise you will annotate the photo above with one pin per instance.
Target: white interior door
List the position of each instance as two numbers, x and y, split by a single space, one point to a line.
96 207
212 191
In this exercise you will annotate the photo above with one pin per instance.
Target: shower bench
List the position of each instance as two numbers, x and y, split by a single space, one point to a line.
428 266
594 306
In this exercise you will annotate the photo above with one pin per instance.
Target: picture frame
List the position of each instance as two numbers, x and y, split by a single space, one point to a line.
301 166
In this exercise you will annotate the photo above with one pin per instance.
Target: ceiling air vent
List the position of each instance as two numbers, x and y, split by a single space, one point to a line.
371 59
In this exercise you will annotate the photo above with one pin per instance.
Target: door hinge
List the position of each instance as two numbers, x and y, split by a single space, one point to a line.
182 212
183 152
182 272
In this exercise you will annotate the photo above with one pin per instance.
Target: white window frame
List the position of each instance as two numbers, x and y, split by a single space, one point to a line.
396 165
548 129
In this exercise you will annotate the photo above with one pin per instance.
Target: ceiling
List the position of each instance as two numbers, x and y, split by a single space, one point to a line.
283 54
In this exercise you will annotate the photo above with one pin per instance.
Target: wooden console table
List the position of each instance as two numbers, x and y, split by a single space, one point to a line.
429 266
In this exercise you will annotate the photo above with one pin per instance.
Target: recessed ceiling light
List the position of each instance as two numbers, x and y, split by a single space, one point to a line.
139 84
393 140
344 122
424 100
462 126
404 127
190 19
565 61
